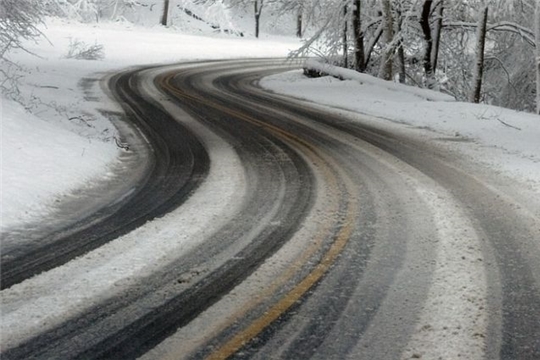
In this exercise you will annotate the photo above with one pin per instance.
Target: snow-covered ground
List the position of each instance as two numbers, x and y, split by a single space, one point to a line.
505 140
64 141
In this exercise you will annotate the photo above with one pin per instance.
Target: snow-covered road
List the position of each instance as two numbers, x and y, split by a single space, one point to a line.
339 238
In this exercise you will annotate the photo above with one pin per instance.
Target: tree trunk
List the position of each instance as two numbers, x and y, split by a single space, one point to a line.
386 69
537 36
359 53
299 22
115 9
257 25
426 29
400 49
402 68
480 46
437 37
165 15
372 42
257 9
344 39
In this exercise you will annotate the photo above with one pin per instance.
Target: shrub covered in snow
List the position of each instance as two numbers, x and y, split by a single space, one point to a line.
80 50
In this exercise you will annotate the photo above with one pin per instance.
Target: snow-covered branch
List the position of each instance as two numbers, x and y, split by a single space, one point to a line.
18 21
524 32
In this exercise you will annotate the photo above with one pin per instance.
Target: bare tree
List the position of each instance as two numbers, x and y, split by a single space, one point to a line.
328 20
428 37
18 22
257 7
359 56
300 19
537 62
344 40
509 78
437 35
165 15
387 63
480 47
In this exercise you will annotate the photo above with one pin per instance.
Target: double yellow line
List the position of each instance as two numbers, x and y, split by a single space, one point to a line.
329 170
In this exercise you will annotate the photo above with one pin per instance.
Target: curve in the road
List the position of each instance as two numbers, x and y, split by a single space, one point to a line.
179 164
280 193
361 289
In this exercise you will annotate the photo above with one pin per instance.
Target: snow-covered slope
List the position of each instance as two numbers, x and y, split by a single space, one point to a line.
196 17
41 161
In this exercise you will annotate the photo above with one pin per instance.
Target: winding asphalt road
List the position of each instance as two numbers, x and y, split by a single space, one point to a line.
177 165
351 240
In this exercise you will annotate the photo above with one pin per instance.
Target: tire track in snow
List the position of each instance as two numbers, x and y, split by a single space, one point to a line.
453 323
179 165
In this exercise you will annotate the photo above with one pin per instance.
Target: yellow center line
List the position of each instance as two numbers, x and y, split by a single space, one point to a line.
240 339
295 294
323 232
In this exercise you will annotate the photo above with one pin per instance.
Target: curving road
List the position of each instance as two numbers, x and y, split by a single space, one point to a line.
177 164
341 240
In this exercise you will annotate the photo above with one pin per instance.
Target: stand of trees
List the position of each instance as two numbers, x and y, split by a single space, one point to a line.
477 50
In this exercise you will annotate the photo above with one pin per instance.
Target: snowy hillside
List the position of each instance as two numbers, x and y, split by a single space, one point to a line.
189 16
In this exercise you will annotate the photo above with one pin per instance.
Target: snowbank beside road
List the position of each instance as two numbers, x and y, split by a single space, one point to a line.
40 160
364 79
